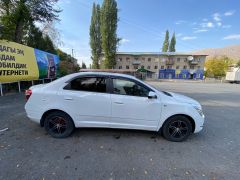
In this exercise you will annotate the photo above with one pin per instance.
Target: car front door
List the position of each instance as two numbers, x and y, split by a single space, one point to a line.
87 98
131 107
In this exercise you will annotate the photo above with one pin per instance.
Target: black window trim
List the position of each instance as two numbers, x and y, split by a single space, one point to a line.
108 90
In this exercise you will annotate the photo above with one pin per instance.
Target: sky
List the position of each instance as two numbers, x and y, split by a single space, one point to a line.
198 24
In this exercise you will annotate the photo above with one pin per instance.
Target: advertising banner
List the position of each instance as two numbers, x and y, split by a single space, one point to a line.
19 62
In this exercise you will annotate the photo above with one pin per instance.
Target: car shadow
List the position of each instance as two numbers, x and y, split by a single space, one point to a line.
114 133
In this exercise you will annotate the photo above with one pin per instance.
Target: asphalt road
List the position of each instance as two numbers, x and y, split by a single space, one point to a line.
27 152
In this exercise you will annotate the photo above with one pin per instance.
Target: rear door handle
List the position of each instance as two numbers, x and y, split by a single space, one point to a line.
118 102
68 98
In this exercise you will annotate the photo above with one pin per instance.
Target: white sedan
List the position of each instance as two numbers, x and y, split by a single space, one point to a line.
110 100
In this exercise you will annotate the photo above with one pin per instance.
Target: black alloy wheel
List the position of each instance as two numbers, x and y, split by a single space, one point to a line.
177 128
58 124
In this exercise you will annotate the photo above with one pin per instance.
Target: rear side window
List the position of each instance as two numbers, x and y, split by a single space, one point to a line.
91 84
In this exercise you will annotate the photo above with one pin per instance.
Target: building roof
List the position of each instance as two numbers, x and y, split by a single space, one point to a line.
161 53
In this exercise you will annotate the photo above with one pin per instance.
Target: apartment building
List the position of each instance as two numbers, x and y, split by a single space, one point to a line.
163 65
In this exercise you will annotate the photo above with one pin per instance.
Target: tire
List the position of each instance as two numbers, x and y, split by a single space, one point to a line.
177 128
58 124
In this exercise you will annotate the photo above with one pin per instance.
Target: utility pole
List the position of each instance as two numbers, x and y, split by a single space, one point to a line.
72 54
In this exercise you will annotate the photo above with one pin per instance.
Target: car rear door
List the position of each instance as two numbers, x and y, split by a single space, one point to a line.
131 107
87 98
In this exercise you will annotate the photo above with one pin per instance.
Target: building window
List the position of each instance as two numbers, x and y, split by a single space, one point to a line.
178 59
177 67
184 67
136 58
120 59
149 67
199 67
127 58
143 59
155 67
142 67
185 60
191 67
127 67
162 67
120 67
149 59
169 67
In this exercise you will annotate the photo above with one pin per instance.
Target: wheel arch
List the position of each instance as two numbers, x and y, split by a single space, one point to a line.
50 111
185 115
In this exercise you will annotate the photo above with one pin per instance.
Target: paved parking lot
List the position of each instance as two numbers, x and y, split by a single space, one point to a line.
27 152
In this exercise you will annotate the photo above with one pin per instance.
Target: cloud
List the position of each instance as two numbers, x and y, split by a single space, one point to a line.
64 2
123 41
180 22
229 13
226 26
219 23
185 38
179 34
200 30
232 37
216 17
207 25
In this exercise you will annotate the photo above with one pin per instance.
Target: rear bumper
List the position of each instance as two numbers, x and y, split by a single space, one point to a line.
33 115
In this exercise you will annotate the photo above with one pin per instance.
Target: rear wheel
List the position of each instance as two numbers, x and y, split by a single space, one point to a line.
177 128
58 124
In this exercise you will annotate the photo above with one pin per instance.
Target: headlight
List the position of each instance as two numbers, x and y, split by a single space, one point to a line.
199 110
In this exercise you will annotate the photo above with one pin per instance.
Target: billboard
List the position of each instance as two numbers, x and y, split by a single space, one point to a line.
19 62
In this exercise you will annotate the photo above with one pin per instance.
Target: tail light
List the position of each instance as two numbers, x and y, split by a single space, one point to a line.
28 93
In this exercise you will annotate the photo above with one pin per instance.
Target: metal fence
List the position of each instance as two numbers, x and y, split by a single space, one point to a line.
20 86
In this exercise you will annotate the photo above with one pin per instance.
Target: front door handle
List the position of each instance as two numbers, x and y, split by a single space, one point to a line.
118 102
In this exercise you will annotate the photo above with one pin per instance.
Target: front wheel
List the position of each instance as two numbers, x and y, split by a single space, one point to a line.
58 124
177 128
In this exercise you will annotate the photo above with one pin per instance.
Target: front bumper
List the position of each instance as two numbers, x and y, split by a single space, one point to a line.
199 123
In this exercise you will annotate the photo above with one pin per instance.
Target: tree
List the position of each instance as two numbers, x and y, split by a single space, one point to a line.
84 65
109 19
172 44
238 64
67 64
49 28
95 35
217 67
166 42
36 39
17 15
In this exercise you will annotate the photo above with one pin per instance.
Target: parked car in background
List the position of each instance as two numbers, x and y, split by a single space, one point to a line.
110 100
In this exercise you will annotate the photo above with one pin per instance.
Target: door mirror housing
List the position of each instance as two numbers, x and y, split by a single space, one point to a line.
152 95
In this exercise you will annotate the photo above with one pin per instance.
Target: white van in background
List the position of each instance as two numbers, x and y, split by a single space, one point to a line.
233 75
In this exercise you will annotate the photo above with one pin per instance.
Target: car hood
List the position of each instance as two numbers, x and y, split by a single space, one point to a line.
184 99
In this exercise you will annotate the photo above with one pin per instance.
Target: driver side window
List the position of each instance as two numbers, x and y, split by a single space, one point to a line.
130 88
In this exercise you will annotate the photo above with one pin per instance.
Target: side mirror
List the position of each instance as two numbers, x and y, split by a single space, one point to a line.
152 95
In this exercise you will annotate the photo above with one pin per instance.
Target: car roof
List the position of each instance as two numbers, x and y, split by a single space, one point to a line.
101 73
